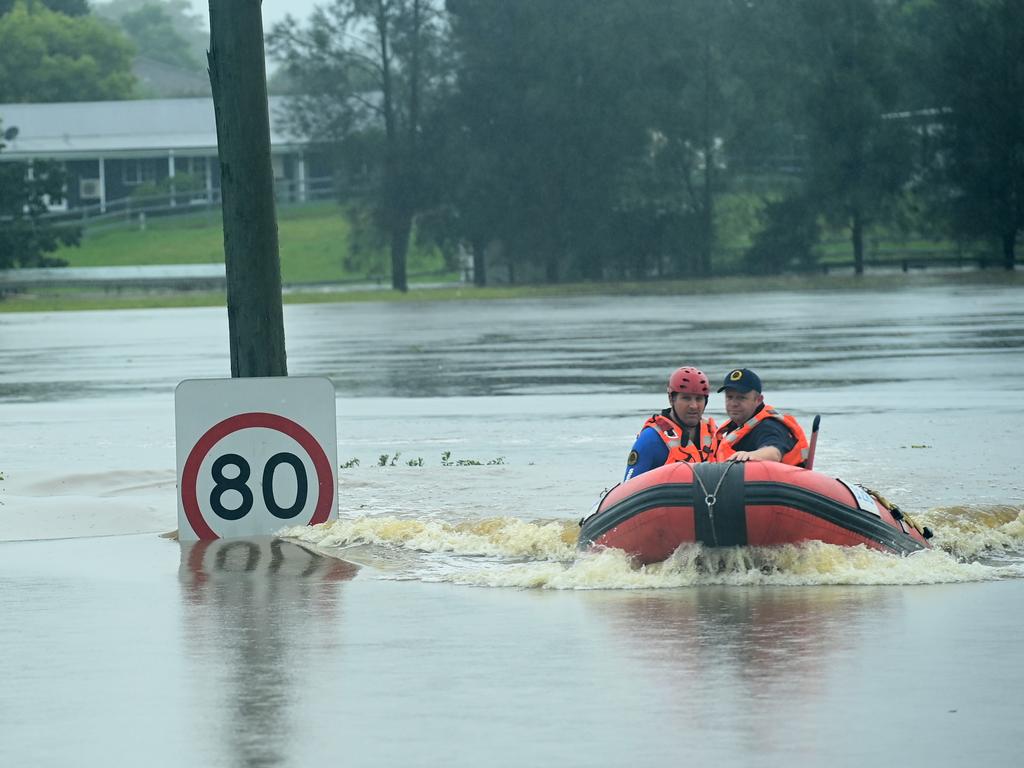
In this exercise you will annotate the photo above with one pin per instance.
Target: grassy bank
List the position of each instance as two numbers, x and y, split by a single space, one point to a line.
317 246
315 243
79 299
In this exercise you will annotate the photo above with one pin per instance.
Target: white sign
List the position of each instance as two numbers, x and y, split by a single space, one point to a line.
254 455
864 499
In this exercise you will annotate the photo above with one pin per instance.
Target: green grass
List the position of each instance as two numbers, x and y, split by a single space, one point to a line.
187 240
313 242
89 299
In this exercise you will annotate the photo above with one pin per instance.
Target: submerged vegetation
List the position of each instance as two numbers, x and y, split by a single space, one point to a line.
389 460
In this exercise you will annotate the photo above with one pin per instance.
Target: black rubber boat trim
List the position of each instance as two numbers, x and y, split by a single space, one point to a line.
757 494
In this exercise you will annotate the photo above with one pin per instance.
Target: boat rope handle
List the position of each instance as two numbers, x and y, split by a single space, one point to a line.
712 498
901 516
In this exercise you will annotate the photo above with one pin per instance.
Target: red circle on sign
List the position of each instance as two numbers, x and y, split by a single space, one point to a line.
216 433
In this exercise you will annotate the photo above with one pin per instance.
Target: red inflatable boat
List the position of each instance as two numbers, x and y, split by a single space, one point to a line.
730 504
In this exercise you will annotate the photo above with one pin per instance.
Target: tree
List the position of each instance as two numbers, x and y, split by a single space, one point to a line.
239 83
858 161
166 31
547 96
369 71
787 238
67 7
152 31
692 122
25 236
977 82
47 56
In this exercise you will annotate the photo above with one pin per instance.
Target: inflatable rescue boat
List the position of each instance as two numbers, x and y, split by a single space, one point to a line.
731 504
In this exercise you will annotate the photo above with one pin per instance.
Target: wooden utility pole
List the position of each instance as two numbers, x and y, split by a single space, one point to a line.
239 80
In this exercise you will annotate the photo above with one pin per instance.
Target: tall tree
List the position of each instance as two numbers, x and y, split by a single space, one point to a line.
47 56
25 235
239 82
668 206
977 81
858 160
548 97
368 71
691 61
152 30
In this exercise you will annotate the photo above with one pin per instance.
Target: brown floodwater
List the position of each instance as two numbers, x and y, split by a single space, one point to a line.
445 618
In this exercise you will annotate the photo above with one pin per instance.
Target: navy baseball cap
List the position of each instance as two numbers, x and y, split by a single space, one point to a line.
742 379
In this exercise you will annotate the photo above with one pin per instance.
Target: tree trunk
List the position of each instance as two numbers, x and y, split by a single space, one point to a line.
857 231
398 227
708 225
1009 256
239 82
400 231
479 263
708 206
551 269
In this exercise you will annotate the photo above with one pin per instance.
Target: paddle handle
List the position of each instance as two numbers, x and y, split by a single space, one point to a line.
809 464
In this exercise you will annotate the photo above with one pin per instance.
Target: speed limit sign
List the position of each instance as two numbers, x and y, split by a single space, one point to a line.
254 455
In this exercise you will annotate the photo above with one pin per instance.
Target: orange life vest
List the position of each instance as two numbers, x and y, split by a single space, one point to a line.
673 436
727 439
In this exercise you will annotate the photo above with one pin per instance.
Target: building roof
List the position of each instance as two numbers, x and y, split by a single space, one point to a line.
89 129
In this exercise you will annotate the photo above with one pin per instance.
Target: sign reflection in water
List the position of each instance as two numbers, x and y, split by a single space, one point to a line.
249 606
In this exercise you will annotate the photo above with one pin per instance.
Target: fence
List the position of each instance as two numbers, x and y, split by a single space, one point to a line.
136 211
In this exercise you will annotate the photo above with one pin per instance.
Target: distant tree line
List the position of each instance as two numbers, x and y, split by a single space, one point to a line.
602 139
607 139
68 50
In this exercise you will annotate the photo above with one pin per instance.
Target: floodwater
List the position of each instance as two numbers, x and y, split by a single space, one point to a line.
445 618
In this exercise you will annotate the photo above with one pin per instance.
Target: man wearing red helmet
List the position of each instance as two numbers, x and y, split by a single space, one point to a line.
679 432
755 431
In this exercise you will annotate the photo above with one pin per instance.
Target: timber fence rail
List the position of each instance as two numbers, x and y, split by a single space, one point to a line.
136 212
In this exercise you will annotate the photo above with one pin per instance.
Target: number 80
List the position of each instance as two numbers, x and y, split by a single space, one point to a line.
238 484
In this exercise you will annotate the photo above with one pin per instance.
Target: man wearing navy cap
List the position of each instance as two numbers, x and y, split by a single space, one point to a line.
756 431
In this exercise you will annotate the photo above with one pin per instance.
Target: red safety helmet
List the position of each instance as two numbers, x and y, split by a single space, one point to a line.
689 380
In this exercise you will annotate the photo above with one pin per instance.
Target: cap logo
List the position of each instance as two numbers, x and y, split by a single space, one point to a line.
736 375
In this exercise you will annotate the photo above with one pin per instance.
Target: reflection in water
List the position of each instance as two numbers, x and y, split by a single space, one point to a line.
248 605
720 652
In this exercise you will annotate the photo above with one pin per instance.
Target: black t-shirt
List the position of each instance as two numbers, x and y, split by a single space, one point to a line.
769 432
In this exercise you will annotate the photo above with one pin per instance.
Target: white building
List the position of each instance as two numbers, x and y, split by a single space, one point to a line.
109 148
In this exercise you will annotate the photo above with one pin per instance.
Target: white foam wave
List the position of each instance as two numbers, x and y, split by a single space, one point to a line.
509 552
506 537
969 532
811 563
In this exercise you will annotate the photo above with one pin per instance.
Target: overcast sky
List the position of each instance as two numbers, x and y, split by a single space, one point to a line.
273 10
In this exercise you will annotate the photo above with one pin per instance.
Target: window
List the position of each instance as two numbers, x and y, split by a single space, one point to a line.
194 166
138 171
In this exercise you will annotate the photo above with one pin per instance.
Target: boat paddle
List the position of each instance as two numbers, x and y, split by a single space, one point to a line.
809 464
